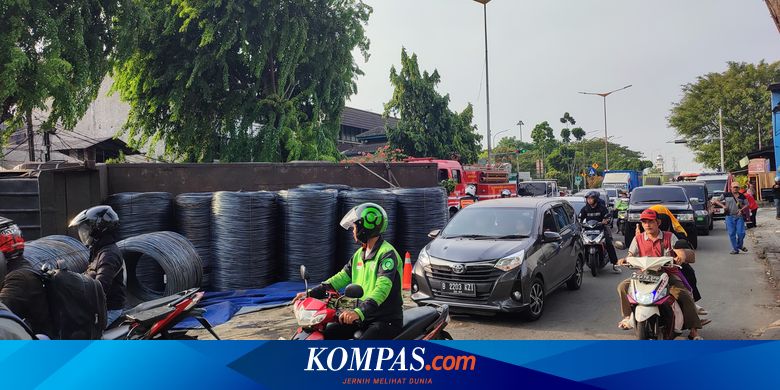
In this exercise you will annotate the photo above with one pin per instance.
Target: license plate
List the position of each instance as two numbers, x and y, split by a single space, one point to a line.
459 288
646 278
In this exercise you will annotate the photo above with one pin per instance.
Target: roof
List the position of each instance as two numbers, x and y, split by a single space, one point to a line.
363 119
357 150
378 132
532 202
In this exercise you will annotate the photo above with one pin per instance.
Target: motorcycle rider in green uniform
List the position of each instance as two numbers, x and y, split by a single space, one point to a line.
377 268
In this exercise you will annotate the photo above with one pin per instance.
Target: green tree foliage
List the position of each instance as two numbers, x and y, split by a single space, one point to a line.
741 91
567 119
238 80
427 127
578 133
565 135
53 57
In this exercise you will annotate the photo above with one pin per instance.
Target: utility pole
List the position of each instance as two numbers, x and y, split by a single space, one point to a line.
46 146
30 137
720 119
758 127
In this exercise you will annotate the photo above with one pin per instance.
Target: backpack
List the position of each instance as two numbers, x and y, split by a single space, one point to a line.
77 305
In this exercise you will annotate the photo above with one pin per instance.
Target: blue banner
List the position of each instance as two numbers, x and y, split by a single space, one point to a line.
446 365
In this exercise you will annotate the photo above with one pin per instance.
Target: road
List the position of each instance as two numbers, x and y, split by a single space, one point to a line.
733 289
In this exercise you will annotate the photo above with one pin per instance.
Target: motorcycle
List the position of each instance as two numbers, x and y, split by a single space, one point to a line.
656 314
594 240
156 319
621 205
314 315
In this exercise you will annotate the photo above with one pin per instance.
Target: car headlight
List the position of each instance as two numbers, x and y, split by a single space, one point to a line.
702 213
634 217
510 262
643 298
685 217
424 260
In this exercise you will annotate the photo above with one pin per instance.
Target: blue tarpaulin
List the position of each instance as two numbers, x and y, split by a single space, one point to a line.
222 306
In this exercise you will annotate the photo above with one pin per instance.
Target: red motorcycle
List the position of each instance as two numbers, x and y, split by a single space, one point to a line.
314 315
156 319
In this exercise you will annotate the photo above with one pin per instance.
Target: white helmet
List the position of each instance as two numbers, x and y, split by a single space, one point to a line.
471 190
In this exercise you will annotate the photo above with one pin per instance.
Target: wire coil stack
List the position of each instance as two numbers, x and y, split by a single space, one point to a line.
193 221
309 218
160 264
244 229
50 249
420 210
325 186
142 212
350 199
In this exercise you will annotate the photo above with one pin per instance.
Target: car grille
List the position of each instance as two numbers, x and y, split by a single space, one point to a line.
484 277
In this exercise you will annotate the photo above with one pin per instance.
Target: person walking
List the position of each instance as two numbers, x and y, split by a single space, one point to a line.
735 205
776 193
750 213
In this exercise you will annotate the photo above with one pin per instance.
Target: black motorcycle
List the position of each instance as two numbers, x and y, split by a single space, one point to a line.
594 244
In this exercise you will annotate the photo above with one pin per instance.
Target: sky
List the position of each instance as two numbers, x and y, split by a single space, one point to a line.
543 52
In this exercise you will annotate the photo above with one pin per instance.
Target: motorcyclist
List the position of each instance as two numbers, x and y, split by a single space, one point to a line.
97 228
594 210
375 266
21 286
645 245
506 193
470 196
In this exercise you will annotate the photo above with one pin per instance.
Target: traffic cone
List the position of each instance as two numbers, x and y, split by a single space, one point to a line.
406 282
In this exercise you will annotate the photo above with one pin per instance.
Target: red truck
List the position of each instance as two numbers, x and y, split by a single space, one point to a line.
488 180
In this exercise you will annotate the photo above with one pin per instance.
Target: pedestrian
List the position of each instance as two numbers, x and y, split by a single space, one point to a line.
776 193
750 213
734 205
751 189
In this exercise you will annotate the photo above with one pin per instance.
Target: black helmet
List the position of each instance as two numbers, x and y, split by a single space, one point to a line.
94 222
593 194
369 219
11 241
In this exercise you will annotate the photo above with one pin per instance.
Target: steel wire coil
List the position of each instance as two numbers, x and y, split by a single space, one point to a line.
192 214
160 264
142 212
309 226
350 199
420 210
325 186
245 240
72 254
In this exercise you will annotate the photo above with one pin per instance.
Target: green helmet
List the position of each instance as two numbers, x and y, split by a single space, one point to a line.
370 220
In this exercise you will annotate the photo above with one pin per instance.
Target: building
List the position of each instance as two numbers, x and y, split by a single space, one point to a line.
362 131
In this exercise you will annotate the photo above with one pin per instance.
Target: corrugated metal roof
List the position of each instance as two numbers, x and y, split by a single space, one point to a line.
362 119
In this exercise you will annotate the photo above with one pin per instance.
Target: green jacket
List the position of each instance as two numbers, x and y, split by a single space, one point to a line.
379 273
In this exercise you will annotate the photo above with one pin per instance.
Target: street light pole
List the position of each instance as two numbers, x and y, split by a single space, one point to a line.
606 142
520 123
497 134
487 80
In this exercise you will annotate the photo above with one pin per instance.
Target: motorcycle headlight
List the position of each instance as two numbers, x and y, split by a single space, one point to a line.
702 213
685 217
634 217
643 298
622 214
510 262
309 317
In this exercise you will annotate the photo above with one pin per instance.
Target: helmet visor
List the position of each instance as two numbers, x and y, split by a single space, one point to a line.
84 233
349 219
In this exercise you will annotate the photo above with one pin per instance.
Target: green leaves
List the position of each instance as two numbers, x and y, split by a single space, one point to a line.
741 92
427 127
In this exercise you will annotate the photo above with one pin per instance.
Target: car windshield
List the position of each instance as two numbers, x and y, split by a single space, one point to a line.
715 185
694 192
531 189
491 222
658 194
612 192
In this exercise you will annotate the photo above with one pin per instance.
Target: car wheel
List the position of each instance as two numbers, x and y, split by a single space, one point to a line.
575 281
712 223
704 232
536 298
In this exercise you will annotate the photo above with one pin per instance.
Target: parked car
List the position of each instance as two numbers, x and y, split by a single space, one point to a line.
501 255
672 197
700 201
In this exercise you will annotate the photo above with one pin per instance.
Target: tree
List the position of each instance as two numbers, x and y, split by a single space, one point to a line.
544 140
53 57
578 133
426 126
741 92
239 80
566 135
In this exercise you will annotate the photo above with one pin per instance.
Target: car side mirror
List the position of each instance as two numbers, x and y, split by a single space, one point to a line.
353 291
434 233
619 245
551 237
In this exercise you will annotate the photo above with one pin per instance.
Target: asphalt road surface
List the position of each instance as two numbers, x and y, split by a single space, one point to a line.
733 287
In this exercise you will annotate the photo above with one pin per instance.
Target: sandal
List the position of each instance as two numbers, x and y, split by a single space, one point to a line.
625 324
695 338
705 321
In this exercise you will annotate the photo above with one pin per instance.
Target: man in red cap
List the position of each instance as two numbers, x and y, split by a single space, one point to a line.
656 243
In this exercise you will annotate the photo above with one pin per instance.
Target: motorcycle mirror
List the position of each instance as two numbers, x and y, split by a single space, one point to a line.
619 245
353 291
434 233
305 277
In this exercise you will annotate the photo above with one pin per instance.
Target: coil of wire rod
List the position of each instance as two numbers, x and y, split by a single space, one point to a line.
245 240
309 226
350 199
192 213
160 264
420 210
142 212
71 253
325 186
